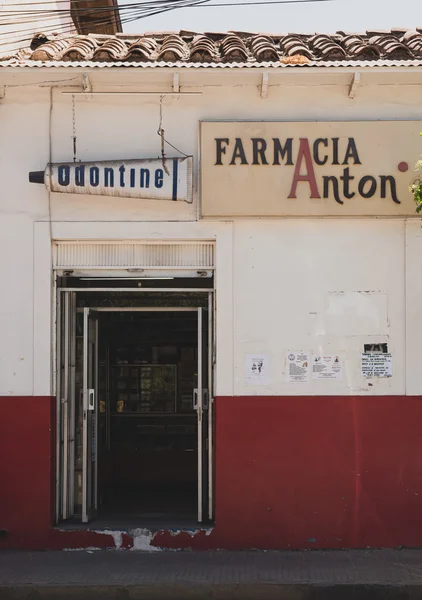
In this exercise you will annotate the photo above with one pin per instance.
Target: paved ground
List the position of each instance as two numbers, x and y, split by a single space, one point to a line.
314 575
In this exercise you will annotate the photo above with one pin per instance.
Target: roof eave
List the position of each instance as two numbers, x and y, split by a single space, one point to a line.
415 66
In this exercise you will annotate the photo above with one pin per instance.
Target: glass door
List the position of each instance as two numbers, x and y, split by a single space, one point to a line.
203 405
89 415
210 357
79 399
66 314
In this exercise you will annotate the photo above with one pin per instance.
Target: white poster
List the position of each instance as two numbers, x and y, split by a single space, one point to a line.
328 366
376 364
297 367
256 369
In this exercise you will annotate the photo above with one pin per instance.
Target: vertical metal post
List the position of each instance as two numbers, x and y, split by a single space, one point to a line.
107 398
65 407
210 407
58 406
72 404
85 420
94 367
200 416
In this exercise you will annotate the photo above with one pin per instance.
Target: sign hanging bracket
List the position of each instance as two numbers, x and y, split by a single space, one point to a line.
87 85
264 85
354 84
176 83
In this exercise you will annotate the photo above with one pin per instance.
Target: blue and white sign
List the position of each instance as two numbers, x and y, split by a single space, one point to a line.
152 179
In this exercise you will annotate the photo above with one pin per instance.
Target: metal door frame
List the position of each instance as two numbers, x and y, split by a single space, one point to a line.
65 404
89 467
211 368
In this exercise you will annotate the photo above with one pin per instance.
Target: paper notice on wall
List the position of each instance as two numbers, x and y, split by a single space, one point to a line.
376 364
297 367
256 369
329 366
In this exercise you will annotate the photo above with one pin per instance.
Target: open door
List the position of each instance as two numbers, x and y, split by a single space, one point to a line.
66 315
203 405
90 415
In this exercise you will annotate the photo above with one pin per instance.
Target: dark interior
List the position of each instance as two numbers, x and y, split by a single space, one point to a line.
147 368
147 425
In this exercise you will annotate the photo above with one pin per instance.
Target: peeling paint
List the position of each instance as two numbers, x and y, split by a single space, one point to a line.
85 549
190 532
142 539
116 535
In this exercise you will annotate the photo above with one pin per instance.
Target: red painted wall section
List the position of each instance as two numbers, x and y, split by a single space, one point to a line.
319 472
26 470
291 472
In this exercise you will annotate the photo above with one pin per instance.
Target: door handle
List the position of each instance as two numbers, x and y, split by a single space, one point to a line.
205 401
91 399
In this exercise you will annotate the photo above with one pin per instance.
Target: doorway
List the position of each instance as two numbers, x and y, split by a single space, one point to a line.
135 401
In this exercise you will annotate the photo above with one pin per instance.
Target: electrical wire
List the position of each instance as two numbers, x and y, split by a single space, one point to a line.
264 2
128 13
69 26
130 7
140 8
40 16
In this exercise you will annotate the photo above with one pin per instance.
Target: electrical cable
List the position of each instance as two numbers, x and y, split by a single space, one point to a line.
25 17
131 12
264 2
134 6
149 6
142 5
69 27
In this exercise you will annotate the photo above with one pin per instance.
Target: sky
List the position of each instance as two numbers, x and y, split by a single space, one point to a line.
323 17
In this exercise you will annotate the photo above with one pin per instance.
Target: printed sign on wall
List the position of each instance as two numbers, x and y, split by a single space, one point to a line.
376 364
256 369
327 367
298 367
308 169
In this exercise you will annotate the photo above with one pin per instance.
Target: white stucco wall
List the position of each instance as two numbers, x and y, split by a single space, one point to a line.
320 287
276 279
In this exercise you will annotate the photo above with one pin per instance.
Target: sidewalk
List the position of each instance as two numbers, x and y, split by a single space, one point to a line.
162 575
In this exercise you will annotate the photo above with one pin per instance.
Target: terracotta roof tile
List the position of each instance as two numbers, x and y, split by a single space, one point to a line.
173 48
391 46
293 44
112 49
82 48
142 49
326 47
50 50
413 40
203 49
359 48
262 47
235 47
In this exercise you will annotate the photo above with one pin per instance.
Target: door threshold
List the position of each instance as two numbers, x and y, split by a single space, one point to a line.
129 524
